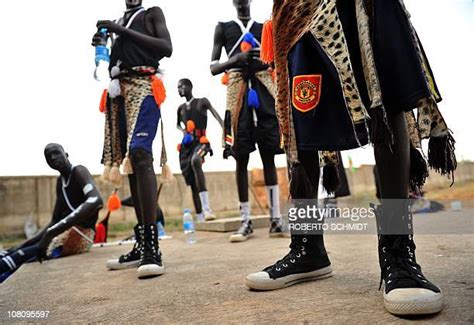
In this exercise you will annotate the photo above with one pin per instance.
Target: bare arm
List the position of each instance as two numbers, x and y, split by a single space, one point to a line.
180 123
207 105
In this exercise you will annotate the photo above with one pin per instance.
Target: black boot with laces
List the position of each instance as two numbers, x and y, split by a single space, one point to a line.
406 291
151 264
132 258
306 261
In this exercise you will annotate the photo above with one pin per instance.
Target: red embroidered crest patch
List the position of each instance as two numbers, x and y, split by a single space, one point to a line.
306 92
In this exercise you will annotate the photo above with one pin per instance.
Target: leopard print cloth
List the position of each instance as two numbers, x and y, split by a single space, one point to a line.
74 241
133 90
320 17
236 91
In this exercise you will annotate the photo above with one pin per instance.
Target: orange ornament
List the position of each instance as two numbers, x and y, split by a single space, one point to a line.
103 101
114 203
225 79
190 126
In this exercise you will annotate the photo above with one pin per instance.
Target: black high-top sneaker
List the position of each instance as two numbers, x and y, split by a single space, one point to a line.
132 258
151 264
278 229
306 261
244 232
406 291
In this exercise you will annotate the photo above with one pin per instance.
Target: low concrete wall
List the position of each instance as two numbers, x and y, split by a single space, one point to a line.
24 197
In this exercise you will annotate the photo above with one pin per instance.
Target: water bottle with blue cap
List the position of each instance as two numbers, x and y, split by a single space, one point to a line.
188 225
102 55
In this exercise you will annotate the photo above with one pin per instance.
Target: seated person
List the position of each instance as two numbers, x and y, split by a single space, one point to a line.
72 227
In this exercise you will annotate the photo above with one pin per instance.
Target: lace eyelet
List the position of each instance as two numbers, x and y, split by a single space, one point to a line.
278 269
298 255
384 249
293 261
388 282
390 274
302 248
305 240
303 252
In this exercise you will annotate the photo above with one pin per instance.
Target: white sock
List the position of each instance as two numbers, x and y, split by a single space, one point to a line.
273 197
205 201
245 211
200 216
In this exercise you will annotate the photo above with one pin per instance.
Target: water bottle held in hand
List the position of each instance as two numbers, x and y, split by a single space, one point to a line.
102 55
188 225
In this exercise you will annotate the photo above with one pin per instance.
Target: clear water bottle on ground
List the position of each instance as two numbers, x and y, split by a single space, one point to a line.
188 225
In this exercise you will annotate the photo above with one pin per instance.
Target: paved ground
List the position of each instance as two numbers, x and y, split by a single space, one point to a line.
204 282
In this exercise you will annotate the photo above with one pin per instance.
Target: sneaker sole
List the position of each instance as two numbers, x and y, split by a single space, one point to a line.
289 280
149 271
238 238
115 265
415 306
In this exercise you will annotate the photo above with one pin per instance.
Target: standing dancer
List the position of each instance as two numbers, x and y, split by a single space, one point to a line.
250 116
192 121
141 40
343 66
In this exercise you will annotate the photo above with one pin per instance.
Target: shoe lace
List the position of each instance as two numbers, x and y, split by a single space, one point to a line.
136 248
400 264
290 258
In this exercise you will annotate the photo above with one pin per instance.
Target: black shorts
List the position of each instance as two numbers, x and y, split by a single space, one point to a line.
265 132
194 150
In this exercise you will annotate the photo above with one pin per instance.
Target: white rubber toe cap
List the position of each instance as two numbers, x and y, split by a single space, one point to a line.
413 301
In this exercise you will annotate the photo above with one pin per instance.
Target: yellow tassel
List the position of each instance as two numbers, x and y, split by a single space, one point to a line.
166 173
115 177
267 54
127 166
106 173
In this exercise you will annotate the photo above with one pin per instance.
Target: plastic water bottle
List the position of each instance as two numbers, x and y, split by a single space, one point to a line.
188 225
102 56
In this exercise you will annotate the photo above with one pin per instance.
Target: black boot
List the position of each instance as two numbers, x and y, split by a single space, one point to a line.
406 291
150 255
307 260
132 258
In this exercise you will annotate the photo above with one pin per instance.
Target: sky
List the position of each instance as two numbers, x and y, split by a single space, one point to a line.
48 93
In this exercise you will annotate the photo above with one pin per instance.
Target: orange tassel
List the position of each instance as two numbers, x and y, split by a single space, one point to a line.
103 101
190 126
159 91
267 54
203 140
225 79
114 203
245 47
